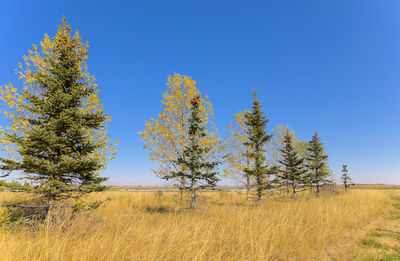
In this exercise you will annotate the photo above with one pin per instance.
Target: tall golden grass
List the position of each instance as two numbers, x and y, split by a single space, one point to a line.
148 226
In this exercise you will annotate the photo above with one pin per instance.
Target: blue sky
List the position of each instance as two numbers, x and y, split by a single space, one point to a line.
331 66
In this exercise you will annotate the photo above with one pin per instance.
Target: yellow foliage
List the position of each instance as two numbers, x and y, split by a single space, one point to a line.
15 102
235 150
166 136
277 143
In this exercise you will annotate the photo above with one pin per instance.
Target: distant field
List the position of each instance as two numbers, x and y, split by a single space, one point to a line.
360 186
149 226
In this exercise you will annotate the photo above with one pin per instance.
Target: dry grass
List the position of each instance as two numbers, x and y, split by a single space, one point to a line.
148 226
382 241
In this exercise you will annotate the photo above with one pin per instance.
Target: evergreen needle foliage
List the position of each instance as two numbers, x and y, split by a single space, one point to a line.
197 172
317 163
257 140
346 178
292 171
56 149
166 136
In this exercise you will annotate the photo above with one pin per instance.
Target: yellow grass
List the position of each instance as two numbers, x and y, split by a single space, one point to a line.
147 226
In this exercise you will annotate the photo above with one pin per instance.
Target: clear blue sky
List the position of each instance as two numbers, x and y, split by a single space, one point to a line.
331 66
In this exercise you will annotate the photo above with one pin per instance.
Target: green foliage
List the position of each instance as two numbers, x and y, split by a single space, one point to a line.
82 206
194 169
372 243
345 177
24 213
317 166
15 186
292 171
166 136
57 148
386 257
257 139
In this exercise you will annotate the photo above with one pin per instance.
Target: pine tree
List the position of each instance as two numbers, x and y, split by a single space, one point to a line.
56 148
198 172
292 171
317 163
257 141
345 177
166 136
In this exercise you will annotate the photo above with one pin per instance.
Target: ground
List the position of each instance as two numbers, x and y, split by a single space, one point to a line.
361 224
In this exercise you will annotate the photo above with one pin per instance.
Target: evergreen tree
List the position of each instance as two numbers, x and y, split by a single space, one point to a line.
198 172
56 148
317 163
345 178
257 141
166 136
292 171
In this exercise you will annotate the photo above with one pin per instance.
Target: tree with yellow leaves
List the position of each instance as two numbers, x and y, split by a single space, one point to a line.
237 151
167 136
199 173
278 144
57 126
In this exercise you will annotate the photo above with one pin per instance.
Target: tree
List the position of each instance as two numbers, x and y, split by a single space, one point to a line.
292 170
346 178
316 163
257 139
197 171
237 152
167 136
57 132
278 144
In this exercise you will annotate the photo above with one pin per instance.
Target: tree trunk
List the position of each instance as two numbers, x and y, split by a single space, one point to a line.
248 188
317 183
193 196
181 189
294 191
259 194
287 188
259 198
248 178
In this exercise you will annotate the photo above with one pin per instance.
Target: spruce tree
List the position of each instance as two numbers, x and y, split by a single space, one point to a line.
346 178
197 172
257 140
317 163
56 148
292 171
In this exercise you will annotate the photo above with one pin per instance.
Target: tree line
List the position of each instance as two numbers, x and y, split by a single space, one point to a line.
292 164
57 135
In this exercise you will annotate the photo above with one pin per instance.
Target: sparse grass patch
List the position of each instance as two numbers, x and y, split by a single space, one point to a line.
385 257
390 233
396 205
376 234
373 243
394 215
395 198
388 237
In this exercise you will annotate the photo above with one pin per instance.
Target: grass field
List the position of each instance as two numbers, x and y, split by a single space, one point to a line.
150 226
